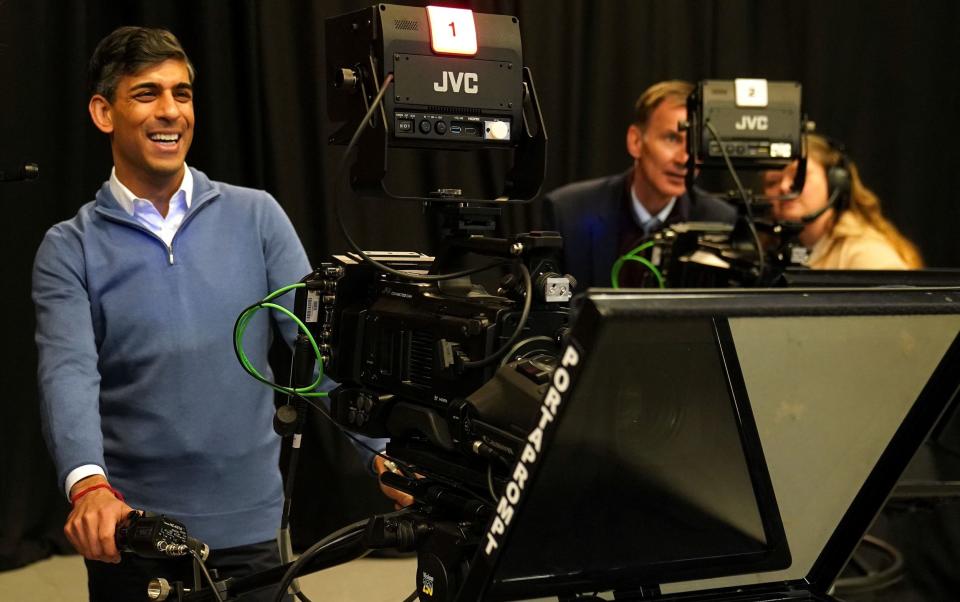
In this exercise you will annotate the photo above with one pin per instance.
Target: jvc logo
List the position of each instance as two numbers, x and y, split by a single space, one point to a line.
752 122
454 81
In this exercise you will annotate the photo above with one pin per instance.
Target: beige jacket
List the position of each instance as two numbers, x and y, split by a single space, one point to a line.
854 245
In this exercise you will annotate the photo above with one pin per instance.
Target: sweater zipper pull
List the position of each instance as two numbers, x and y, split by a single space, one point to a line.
170 253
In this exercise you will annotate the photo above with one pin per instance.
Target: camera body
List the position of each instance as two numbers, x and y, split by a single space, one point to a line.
401 349
718 255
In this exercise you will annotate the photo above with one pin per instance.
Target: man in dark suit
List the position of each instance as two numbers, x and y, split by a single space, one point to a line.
603 219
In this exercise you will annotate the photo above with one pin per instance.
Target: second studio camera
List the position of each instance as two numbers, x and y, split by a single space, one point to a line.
737 128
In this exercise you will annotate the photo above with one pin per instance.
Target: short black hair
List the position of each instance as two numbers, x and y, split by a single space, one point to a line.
128 50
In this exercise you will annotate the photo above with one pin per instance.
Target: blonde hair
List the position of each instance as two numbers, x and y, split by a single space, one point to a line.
652 97
862 201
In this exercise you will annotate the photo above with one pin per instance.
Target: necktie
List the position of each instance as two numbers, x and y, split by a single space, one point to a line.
651 226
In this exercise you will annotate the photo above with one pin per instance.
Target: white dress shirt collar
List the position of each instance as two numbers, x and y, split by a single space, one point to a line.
644 217
126 197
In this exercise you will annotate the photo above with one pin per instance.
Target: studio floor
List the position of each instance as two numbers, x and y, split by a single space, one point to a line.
63 579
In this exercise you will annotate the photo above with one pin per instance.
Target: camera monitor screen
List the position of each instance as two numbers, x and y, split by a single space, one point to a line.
708 441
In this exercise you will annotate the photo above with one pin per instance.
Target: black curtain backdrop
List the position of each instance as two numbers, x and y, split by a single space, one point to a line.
880 76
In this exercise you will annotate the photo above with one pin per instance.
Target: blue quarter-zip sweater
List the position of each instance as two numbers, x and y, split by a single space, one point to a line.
136 365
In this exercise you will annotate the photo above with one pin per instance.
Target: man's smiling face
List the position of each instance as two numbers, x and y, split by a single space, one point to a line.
150 123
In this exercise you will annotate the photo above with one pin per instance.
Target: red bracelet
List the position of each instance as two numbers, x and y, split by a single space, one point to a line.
83 492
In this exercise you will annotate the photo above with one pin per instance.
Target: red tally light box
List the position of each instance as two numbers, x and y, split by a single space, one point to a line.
452 30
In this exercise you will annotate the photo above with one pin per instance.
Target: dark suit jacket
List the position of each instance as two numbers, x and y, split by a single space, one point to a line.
588 216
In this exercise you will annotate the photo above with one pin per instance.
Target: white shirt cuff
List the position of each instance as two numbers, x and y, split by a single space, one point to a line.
81 472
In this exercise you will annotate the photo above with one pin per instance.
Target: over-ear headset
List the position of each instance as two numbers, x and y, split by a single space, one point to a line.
839 183
838 177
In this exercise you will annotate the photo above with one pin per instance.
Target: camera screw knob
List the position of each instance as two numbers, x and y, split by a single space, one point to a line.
158 589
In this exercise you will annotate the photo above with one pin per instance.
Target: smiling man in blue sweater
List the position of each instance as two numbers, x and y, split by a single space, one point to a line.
144 404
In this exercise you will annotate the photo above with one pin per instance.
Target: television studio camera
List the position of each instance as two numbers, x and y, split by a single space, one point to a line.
422 353
737 130
736 126
452 374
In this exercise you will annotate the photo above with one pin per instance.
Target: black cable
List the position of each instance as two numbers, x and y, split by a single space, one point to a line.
206 573
412 596
493 492
528 297
303 597
338 177
338 536
326 414
743 195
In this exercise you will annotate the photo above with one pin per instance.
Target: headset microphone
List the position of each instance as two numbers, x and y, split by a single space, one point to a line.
838 183
779 197
811 217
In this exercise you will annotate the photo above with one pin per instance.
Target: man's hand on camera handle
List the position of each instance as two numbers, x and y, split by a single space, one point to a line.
400 498
93 521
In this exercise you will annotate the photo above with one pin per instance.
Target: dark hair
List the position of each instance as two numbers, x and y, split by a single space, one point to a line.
127 50
674 89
